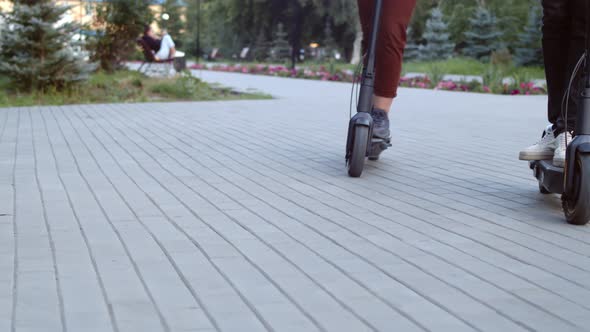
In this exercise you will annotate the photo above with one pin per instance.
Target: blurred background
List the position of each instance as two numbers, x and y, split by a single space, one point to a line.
496 43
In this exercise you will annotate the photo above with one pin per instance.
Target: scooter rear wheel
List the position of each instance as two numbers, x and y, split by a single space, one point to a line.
356 163
577 207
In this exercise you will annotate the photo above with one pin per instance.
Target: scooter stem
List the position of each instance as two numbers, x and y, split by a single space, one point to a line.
367 85
583 121
373 42
587 45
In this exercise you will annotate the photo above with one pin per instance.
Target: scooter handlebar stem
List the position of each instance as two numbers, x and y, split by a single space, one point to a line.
374 34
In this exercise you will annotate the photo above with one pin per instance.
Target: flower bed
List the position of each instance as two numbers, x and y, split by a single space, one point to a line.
281 71
421 82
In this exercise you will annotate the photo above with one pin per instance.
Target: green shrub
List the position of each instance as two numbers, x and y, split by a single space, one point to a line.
184 87
120 87
435 73
33 55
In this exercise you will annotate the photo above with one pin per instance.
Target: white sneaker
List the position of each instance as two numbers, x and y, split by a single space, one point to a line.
544 149
561 148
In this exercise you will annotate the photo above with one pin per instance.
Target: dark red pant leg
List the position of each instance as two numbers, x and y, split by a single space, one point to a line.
395 17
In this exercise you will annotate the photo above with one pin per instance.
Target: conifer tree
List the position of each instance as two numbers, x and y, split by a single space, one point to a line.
34 47
280 46
412 50
436 35
529 51
483 35
261 47
122 22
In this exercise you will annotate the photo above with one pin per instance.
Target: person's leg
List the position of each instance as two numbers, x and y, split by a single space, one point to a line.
392 42
564 24
556 26
172 46
167 49
366 8
577 42
395 18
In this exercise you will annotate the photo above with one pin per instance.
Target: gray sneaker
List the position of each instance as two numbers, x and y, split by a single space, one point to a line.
380 124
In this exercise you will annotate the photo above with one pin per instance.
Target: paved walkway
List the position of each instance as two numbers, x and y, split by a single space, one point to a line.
239 216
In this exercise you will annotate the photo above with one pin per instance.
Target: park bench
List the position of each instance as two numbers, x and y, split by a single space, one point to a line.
164 65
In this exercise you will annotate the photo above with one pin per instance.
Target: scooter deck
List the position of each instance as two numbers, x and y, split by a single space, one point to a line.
549 176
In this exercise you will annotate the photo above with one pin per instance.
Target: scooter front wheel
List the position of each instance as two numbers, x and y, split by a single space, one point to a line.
577 207
356 163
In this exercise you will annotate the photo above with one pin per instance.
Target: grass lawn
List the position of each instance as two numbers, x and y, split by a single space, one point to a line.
462 66
454 66
123 87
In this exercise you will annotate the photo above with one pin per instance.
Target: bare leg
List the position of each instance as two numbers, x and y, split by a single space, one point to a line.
172 53
382 103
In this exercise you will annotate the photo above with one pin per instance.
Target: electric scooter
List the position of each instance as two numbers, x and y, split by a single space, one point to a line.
361 143
572 181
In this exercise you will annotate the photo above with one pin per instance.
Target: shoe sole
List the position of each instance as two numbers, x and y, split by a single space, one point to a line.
535 156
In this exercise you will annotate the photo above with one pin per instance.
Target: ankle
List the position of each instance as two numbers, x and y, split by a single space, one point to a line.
377 110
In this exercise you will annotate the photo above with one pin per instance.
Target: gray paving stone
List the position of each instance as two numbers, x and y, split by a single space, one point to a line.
152 217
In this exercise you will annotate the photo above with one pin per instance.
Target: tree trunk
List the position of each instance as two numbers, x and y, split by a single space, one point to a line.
357 46
296 31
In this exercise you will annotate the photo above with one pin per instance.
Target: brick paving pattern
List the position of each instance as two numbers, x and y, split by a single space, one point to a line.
239 216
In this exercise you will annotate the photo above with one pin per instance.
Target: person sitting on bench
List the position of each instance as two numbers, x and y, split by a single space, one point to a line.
163 48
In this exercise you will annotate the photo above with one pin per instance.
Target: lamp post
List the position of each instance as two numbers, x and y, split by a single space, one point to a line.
198 30
165 18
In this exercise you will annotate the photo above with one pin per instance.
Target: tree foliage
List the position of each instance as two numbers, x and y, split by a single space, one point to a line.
34 51
528 48
122 22
438 45
483 36
413 49
173 23
231 25
280 44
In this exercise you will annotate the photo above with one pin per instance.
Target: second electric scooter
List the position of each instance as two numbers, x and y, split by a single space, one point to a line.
360 143
573 181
